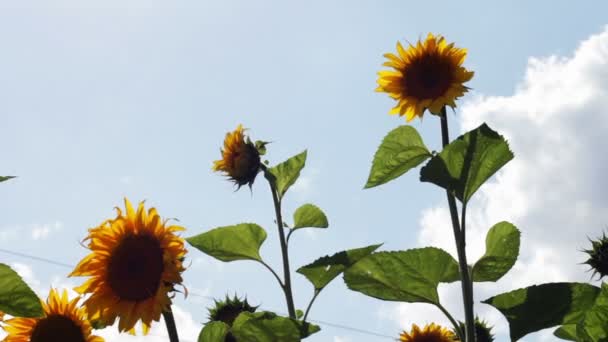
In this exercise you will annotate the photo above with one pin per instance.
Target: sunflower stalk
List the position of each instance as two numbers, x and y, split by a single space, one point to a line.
286 285
170 322
459 237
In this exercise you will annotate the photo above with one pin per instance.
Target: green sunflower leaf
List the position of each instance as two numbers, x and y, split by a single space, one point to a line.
593 327
269 327
5 178
214 332
16 297
401 150
566 332
404 276
309 215
467 162
239 242
325 269
286 173
502 249
544 306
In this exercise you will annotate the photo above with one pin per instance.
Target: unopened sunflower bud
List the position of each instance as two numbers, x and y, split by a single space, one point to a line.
598 256
228 310
483 331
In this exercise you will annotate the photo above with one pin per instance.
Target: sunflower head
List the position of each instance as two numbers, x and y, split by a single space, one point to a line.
63 321
428 75
240 157
136 261
431 333
483 331
227 310
598 256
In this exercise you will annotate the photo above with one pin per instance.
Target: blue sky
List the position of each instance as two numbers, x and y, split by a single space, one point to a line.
105 99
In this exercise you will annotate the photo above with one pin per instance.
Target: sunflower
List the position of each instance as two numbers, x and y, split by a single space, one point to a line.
483 331
134 265
428 75
63 321
240 158
598 256
430 333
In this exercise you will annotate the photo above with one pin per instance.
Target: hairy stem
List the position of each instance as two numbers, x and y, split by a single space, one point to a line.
284 251
465 276
170 322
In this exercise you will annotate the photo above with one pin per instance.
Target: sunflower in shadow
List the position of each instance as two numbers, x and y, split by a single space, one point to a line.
63 320
428 75
135 263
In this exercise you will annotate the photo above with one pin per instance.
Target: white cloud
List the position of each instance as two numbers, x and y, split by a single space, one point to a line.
8 233
303 187
342 339
42 231
188 330
554 190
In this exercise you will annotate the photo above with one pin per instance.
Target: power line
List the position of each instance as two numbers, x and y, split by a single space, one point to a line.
334 325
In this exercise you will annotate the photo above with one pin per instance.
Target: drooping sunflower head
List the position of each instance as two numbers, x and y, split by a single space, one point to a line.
240 158
136 261
63 321
428 75
483 331
431 333
598 256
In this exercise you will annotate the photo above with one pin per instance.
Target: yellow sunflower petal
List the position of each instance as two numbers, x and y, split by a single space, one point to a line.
134 264
427 75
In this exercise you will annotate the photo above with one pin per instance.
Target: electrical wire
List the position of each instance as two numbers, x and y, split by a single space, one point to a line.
330 324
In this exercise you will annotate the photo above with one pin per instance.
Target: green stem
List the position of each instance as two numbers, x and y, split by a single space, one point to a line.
285 253
170 322
465 277
312 300
273 273
452 320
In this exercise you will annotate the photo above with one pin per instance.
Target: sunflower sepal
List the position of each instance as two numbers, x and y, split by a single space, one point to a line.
401 150
483 331
598 256
468 162
5 178
261 146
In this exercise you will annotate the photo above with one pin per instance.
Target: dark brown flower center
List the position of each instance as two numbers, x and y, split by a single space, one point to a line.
57 328
245 164
428 77
135 268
